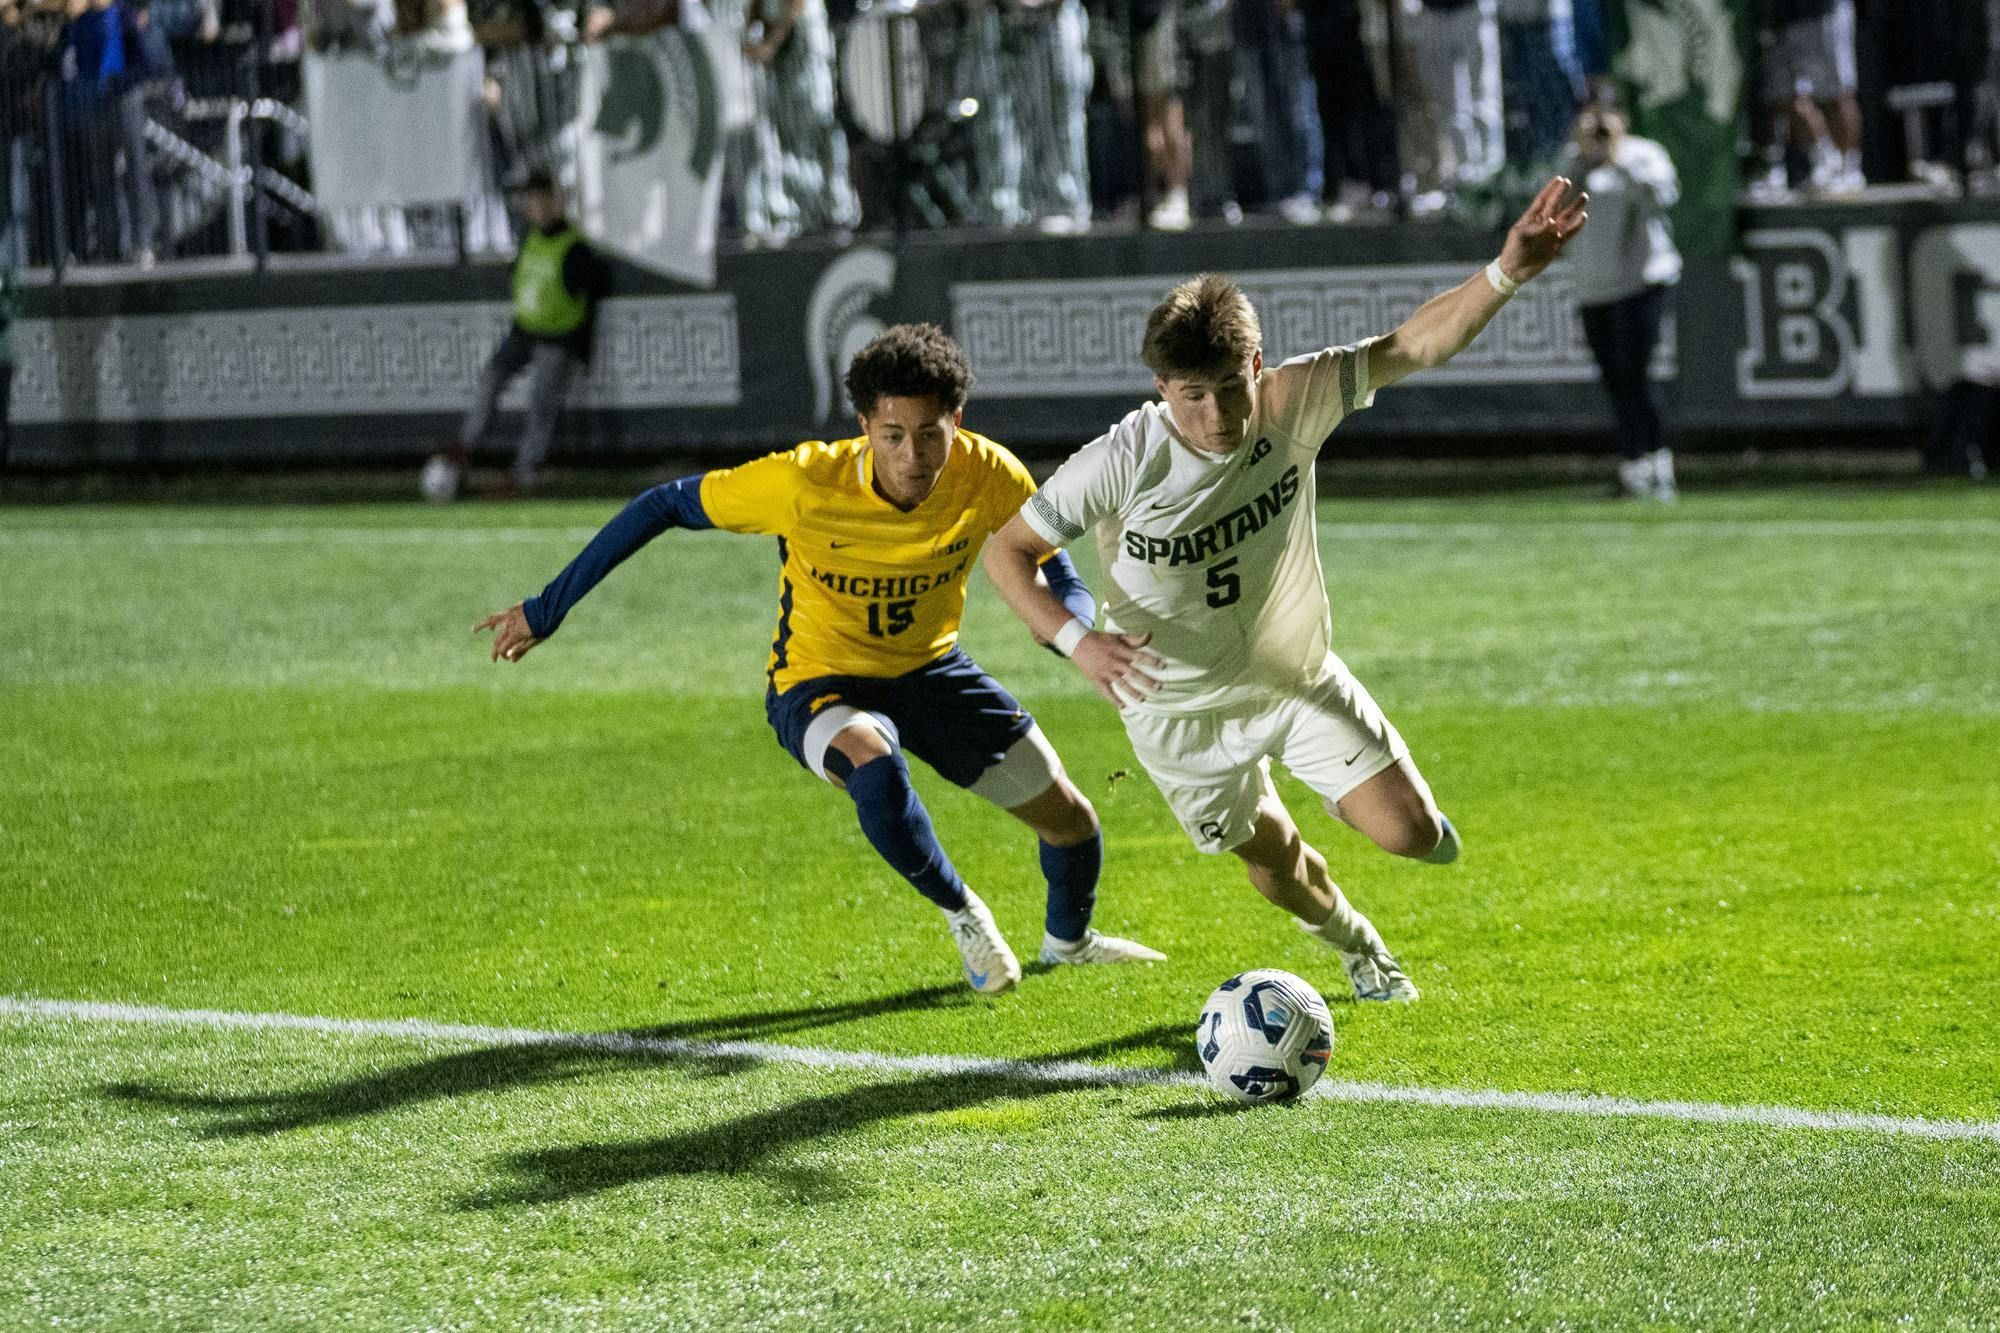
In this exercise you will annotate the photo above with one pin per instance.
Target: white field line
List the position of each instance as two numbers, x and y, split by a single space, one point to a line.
1057 1072
1333 527
281 536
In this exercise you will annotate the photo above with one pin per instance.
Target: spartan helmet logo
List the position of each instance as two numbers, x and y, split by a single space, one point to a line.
646 81
839 322
633 110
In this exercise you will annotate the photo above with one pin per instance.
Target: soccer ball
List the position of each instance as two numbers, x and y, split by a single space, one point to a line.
1264 1036
439 479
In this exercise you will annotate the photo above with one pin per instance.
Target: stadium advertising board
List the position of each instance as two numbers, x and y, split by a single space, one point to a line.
1830 320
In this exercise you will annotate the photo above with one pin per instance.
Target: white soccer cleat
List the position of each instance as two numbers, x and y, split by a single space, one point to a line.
990 966
1097 948
1379 977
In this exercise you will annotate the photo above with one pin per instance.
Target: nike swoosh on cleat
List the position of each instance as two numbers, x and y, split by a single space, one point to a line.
978 979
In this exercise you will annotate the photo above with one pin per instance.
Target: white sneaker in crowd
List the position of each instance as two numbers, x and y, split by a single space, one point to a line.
1171 213
1301 210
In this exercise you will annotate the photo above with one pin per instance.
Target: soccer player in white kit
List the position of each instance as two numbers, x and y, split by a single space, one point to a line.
1216 644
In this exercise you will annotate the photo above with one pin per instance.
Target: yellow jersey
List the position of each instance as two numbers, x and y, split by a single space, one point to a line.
865 588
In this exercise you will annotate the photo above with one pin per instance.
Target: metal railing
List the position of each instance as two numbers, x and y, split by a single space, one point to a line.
213 160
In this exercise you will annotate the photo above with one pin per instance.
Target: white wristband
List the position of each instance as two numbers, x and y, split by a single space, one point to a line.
1069 636
1502 284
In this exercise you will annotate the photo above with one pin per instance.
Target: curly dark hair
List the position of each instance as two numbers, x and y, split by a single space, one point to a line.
909 361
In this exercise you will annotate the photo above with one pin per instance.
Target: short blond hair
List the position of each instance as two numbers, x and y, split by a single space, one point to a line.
1205 326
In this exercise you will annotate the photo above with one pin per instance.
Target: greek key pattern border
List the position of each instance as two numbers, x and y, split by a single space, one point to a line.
672 351
1080 337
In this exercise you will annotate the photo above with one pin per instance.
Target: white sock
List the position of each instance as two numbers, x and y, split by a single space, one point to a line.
1346 929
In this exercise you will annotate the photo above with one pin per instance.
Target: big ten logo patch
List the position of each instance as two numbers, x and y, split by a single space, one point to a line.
1855 311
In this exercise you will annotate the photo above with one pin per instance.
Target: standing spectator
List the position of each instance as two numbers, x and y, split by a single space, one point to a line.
795 44
1458 45
1169 156
558 282
1541 83
1208 56
1593 48
23 69
1356 125
752 164
1809 82
93 71
1983 144
1273 62
996 137
1045 61
1624 267
149 72
10 310
1116 143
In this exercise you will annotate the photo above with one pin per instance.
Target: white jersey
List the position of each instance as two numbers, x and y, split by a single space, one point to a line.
1214 555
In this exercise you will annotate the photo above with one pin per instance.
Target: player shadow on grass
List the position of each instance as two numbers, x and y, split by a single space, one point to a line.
748 1144
525 1064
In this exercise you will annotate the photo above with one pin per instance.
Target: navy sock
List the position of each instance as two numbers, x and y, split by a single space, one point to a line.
898 826
1072 875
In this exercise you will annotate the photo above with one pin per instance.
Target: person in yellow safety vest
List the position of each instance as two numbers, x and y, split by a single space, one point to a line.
557 285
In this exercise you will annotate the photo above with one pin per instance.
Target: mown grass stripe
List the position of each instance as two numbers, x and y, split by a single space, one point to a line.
617 1043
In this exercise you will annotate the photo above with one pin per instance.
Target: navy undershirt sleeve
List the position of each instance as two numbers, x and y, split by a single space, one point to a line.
1069 588
677 504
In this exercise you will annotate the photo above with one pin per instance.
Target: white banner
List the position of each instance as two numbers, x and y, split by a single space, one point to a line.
653 112
400 133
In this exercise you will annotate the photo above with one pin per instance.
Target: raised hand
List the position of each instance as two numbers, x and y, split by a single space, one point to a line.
511 635
1538 237
1117 665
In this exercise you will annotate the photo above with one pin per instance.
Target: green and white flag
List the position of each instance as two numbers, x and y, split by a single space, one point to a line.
652 113
1683 69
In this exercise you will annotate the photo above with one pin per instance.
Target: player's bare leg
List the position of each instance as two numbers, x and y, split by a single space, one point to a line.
1395 811
1060 816
1290 872
1071 851
872 771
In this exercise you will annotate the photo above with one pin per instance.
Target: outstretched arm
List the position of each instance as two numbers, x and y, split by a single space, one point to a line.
520 627
1445 325
1110 662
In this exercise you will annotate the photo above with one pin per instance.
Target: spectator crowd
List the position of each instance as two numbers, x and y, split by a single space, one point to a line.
1052 114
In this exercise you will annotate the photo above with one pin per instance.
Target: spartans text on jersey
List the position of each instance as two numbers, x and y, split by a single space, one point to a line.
1239 524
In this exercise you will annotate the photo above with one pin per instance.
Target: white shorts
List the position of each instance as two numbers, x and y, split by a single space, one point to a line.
1215 767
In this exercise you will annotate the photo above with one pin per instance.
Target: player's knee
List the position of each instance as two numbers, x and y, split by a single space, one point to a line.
1075 820
849 749
1059 814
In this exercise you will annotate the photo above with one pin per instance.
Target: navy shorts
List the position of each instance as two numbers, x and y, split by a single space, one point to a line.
948 713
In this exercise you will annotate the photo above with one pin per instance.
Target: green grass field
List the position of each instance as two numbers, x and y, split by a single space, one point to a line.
1729 780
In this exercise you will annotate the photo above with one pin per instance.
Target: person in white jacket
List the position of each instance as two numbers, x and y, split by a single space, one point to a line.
1624 267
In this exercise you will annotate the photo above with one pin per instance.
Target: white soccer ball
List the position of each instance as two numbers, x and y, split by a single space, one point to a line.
439 479
1264 1036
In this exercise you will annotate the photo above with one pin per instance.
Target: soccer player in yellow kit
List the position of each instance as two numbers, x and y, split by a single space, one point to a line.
877 536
